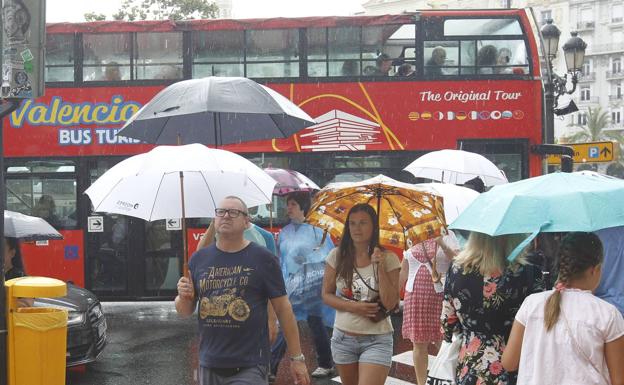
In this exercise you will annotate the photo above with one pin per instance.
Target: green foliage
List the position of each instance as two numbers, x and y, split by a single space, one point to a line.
595 130
92 16
166 9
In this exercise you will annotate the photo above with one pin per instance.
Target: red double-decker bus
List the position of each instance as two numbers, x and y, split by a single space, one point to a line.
383 89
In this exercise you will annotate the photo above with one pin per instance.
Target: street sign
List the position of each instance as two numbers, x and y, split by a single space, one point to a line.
591 152
95 224
174 224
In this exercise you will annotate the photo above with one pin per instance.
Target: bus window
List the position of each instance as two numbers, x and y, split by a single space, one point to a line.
59 58
481 27
106 57
441 58
335 48
44 189
487 57
218 53
158 56
272 53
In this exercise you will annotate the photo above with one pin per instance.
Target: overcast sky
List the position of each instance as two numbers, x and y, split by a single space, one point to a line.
74 10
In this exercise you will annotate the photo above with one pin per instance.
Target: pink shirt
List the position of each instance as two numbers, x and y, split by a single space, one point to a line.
551 357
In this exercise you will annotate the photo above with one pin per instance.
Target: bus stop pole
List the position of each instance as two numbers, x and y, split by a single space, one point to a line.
6 108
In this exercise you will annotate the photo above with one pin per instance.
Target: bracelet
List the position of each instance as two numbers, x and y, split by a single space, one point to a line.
300 358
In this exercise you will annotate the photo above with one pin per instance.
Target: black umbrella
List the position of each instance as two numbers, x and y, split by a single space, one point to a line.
216 111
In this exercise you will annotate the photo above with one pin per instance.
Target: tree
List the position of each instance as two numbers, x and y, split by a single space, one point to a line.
92 16
595 130
166 9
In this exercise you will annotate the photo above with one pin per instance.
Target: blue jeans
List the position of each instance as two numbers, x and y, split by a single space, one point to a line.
321 342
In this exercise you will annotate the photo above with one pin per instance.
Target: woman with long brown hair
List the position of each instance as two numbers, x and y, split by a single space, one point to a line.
361 282
568 335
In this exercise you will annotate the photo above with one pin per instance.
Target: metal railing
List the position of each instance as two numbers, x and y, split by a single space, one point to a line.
615 75
587 77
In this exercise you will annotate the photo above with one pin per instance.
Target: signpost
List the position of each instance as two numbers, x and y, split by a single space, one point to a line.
591 152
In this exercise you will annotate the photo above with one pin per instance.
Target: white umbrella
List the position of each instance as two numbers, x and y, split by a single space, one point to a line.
28 228
179 182
456 198
457 167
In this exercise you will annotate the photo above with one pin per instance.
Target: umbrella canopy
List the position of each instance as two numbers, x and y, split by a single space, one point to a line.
456 198
407 214
290 181
457 167
216 111
147 186
28 228
556 202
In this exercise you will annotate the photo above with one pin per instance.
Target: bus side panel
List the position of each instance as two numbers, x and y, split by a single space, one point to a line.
62 259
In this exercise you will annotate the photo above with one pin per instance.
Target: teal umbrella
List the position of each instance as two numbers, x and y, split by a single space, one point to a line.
558 202
555 202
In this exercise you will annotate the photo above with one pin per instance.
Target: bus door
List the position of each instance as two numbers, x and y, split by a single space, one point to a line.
509 155
128 257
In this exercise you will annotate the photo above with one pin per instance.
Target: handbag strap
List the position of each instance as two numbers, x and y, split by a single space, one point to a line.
578 347
364 281
435 276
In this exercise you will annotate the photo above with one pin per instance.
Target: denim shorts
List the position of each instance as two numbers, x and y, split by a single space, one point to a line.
369 349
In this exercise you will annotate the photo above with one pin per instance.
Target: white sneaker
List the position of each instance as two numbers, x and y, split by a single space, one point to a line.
323 372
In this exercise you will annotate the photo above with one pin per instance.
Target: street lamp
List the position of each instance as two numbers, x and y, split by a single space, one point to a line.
555 85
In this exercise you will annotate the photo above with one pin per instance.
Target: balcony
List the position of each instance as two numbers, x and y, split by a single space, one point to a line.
591 100
617 20
615 75
595 49
615 98
585 25
587 77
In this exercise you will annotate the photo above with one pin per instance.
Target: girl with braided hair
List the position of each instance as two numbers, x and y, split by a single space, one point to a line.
567 335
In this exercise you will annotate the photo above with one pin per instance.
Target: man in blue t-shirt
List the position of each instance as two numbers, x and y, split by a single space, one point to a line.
231 282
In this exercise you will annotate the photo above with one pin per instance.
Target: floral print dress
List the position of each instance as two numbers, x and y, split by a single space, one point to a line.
482 309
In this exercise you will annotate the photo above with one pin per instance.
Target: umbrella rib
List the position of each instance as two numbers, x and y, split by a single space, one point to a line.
397 217
110 191
156 196
259 189
278 127
214 204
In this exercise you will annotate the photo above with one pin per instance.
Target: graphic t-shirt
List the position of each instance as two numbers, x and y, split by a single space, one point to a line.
359 291
232 290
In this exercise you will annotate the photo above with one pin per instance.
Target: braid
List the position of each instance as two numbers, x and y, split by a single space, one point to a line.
579 251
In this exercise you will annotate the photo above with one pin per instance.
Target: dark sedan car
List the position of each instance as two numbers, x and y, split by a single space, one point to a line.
86 324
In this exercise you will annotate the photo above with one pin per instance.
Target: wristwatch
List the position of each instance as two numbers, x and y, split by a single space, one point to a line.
300 358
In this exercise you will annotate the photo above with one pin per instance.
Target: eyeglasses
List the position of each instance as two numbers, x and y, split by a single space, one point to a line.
232 213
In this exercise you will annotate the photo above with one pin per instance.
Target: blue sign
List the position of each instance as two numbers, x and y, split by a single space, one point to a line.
71 252
593 152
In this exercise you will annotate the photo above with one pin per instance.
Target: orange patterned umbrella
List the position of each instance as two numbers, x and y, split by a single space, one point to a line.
407 214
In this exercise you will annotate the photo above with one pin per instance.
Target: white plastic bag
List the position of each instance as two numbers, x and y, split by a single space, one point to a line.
442 371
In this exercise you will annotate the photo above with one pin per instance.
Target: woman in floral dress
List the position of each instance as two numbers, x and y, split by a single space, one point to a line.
482 294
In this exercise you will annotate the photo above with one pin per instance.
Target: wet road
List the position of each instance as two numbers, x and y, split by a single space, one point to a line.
149 344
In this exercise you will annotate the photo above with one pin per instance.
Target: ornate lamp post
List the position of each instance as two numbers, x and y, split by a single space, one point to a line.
555 85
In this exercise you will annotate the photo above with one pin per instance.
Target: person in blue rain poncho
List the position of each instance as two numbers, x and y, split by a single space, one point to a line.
611 287
302 249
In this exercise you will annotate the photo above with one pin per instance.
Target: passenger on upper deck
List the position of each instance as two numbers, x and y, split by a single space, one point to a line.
405 69
350 68
384 64
486 59
433 67
112 73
